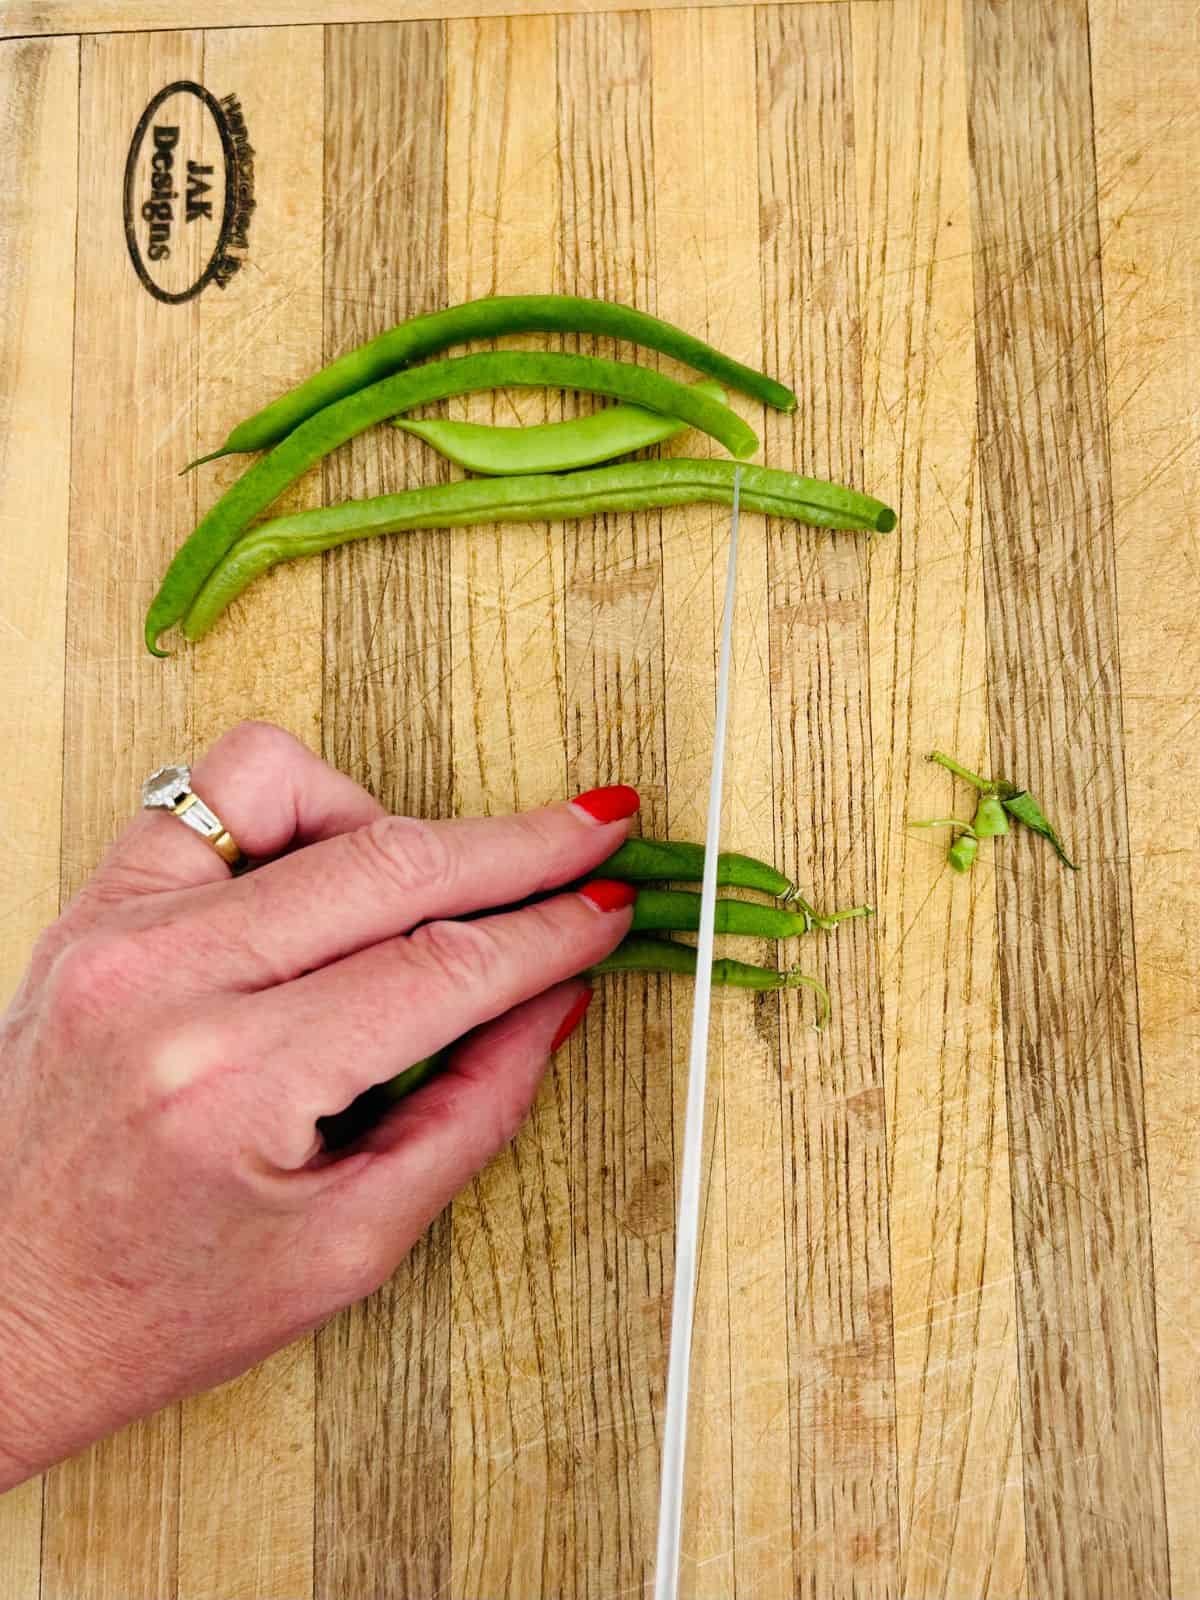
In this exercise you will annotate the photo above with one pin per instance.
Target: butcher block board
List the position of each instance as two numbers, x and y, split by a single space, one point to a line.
947 1326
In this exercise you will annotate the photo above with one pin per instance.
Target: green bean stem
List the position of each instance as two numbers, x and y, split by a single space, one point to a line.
485 319
991 819
1002 799
325 430
550 446
961 854
628 486
678 911
984 785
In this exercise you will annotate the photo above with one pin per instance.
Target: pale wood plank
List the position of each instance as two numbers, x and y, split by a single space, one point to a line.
957 1407
1147 156
621 1126
739 1518
511 1336
695 545
247 1471
39 93
115 16
383 1492
111 1515
1094 1508
836 1212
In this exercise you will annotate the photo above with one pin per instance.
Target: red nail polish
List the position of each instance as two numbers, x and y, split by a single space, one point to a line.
572 1020
606 894
611 804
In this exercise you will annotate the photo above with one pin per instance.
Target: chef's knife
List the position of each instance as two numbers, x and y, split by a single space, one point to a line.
687 1229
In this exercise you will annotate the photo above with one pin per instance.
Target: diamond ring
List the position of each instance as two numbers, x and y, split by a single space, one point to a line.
169 789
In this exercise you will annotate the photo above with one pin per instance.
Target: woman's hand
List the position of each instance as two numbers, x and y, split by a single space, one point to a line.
167 1214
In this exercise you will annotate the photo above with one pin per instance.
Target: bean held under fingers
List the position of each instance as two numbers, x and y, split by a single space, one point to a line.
322 432
485 319
641 860
550 446
628 486
678 911
638 953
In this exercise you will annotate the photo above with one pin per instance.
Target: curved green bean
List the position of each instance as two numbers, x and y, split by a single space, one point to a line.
499 452
678 911
627 486
641 860
485 319
327 429
639 954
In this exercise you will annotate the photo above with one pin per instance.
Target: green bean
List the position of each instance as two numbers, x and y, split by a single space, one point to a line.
485 319
641 860
550 446
639 954
678 911
628 486
327 429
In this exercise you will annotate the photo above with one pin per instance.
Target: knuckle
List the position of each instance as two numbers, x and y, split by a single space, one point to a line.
95 973
408 853
541 845
257 738
173 1058
464 955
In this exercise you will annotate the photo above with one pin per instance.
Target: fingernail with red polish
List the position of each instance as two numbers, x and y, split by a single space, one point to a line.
572 1020
611 804
606 894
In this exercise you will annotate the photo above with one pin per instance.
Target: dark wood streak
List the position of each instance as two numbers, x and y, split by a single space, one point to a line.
844 1507
1095 1516
383 1369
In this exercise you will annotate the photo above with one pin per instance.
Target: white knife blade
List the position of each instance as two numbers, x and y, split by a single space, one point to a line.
687 1230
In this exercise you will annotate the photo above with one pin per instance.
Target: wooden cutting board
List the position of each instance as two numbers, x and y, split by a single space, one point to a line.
947 1327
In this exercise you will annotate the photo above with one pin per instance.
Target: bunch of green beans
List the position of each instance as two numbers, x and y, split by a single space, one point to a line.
489 318
662 911
375 382
322 432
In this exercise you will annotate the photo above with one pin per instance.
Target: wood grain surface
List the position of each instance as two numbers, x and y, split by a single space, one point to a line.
946 1324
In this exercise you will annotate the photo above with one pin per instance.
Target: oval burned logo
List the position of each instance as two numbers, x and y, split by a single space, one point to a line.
189 191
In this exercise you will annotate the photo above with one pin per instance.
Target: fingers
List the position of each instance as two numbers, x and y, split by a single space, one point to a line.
383 879
414 1162
322 1039
268 789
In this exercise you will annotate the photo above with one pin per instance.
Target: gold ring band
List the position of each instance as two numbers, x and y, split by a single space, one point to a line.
169 789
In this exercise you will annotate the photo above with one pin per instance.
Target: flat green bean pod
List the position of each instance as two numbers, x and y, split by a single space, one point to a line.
627 486
502 452
327 429
486 319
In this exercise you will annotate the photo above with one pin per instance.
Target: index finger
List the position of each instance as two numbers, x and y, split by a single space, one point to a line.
371 884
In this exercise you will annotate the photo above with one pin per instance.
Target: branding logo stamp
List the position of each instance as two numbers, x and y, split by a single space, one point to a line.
189 192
